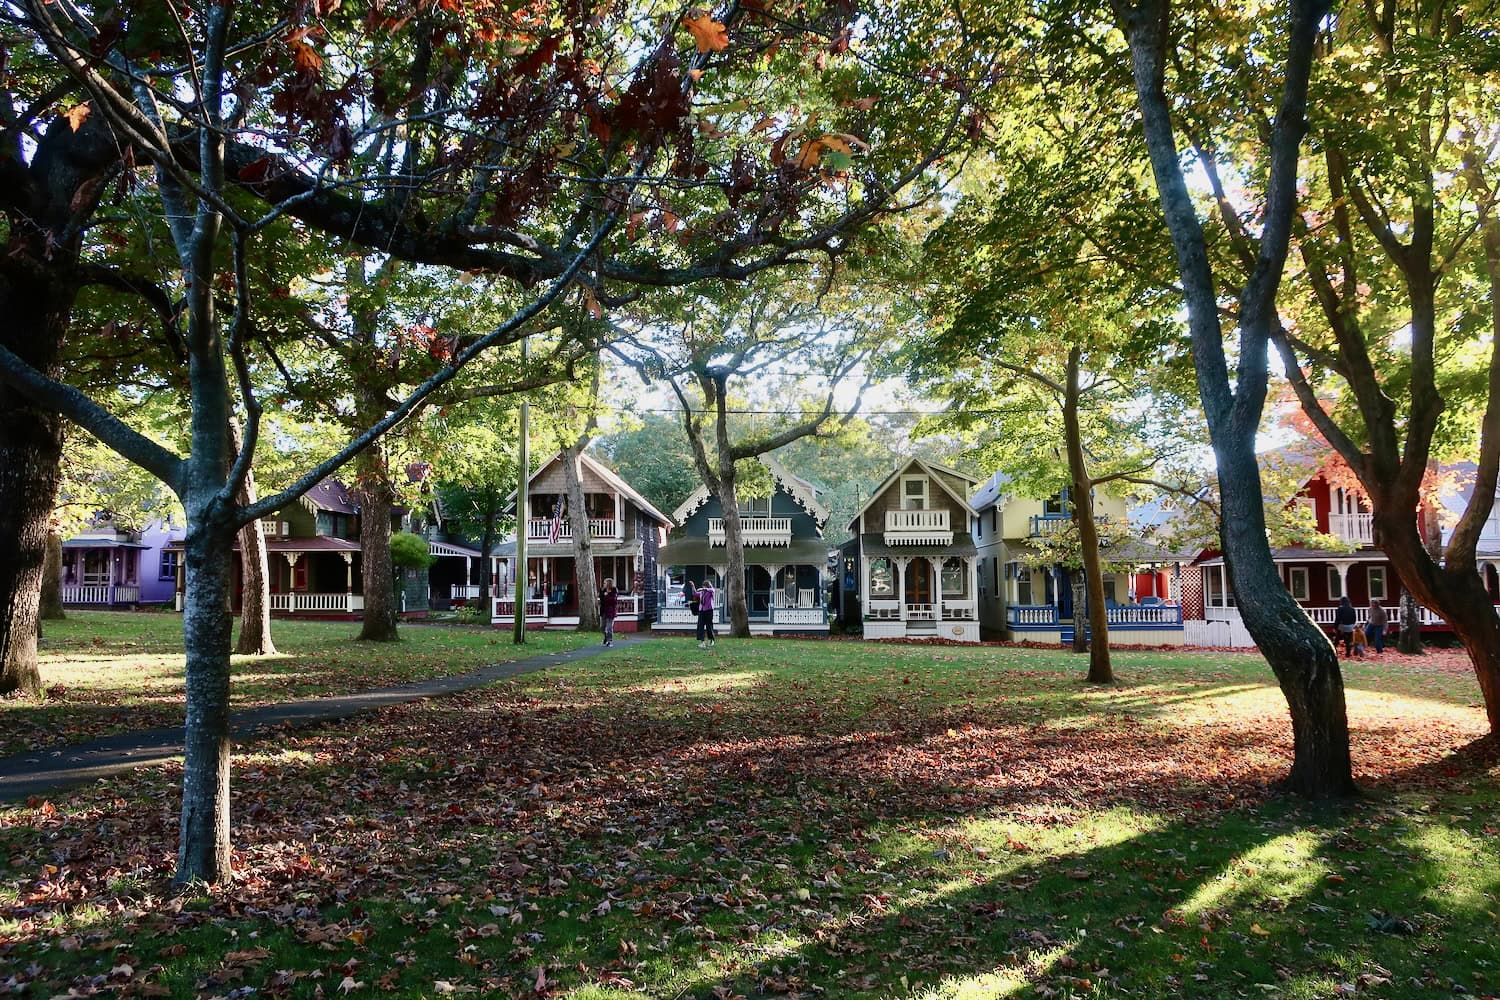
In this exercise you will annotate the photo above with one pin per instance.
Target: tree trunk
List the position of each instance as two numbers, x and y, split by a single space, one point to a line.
255 582
45 204
30 457
1409 642
51 598
1100 670
203 845
1080 603
487 545
1456 590
734 555
1299 653
583 544
376 500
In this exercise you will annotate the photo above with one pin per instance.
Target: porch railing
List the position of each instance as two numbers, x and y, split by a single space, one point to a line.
463 591
1031 615
1145 614
535 610
100 593
300 601
685 616
799 616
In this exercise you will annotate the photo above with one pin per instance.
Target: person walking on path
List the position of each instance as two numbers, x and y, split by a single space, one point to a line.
1377 624
706 615
1344 620
609 606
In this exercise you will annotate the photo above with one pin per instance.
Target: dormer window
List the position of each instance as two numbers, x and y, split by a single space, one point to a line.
914 493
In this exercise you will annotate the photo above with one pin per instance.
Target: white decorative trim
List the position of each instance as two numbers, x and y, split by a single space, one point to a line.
696 499
802 494
797 489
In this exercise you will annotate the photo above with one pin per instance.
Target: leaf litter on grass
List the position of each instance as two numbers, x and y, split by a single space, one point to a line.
623 826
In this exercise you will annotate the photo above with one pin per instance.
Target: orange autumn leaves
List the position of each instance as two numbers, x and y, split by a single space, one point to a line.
708 35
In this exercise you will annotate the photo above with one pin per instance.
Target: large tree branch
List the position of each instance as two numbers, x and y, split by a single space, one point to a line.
434 382
92 417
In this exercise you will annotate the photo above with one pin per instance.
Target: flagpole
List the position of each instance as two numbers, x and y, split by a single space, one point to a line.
523 509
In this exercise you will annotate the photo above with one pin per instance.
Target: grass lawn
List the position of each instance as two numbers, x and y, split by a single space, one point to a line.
111 672
784 818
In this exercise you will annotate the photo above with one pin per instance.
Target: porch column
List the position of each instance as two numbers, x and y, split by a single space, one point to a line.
468 573
1341 567
936 562
864 583
619 522
348 580
291 583
901 586
181 583
973 583
1223 585
773 569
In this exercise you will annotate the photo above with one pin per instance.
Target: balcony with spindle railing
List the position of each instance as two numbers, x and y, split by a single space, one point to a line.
539 529
754 531
917 527
1357 529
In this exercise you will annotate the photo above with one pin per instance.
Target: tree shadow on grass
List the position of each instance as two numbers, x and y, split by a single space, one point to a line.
924 850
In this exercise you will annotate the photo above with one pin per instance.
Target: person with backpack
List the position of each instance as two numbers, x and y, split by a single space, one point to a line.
609 606
706 610
1344 620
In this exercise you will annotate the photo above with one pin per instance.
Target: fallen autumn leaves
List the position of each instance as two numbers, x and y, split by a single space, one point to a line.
787 821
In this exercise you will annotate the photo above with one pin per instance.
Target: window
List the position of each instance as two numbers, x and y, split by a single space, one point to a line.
1023 584
913 492
995 520
954 577
1056 505
169 559
1376 577
1297 582
754 506
1335 584
1109 590
882 580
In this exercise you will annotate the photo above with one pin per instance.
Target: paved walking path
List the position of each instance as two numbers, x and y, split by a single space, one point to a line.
42 772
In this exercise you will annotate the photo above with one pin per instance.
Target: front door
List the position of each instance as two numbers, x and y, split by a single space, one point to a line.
919 582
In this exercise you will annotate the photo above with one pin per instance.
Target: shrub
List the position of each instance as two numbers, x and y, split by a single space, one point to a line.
470 614
410 551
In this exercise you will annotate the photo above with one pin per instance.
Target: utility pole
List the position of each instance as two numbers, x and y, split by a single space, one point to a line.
523 510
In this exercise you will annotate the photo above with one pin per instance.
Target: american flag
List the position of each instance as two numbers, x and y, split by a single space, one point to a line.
556 531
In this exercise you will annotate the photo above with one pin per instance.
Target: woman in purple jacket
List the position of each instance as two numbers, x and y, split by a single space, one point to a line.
609 606
706 608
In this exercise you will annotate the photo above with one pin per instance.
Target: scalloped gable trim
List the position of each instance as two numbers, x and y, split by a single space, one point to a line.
803 493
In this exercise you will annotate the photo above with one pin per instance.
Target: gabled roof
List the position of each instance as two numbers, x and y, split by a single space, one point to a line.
803 491
990 493
612 478
937 473
330 495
